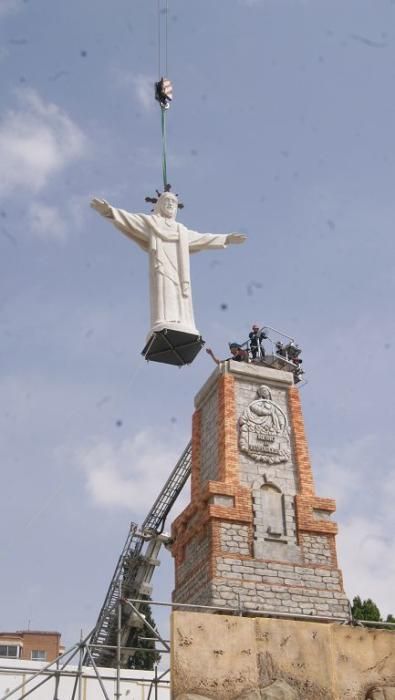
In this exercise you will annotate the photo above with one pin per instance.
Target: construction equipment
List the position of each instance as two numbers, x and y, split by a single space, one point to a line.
133 574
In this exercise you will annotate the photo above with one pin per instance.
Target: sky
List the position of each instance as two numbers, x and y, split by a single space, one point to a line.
282 128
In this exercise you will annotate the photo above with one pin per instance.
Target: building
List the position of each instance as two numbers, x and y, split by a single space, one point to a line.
30 645
255 533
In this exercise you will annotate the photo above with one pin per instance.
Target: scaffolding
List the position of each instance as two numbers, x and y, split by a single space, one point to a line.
133 574
58 669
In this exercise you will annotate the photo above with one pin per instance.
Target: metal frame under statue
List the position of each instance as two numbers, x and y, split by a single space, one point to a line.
173 337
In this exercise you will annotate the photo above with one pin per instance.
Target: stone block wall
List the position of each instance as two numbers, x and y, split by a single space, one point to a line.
255 534
222 657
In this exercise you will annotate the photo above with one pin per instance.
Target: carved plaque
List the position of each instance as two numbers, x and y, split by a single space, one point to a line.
264 430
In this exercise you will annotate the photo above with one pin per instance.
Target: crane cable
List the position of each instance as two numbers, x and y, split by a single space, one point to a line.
164 148
163 88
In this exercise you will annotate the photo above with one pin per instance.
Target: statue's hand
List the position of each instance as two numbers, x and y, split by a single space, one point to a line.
236 238
101 206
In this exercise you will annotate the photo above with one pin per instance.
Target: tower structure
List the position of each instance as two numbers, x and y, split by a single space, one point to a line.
255 533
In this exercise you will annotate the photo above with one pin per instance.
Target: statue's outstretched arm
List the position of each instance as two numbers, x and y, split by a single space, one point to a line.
236 238
134 226
102 207
202 241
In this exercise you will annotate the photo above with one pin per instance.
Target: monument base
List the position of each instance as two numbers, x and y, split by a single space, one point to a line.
221 657
172 347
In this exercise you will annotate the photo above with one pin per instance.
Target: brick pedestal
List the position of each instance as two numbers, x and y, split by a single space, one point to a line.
255 533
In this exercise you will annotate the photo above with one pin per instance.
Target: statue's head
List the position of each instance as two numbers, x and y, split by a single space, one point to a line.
167 205
264 392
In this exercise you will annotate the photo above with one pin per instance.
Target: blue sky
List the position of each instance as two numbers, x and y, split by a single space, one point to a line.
282 127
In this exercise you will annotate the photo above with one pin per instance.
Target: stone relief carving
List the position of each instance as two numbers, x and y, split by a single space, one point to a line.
381 693
279 690
264 430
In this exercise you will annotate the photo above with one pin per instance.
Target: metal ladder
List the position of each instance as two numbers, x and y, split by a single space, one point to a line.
134 570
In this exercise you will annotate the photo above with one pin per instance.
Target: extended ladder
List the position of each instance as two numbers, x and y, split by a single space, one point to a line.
134 570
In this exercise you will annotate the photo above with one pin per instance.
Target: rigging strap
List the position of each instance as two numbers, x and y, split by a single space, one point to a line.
164 154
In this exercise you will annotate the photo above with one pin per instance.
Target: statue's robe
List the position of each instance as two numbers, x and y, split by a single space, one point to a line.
168 244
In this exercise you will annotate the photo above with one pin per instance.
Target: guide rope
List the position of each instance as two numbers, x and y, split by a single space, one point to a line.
164 155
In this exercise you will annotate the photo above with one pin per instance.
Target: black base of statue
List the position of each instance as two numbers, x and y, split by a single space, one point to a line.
172 347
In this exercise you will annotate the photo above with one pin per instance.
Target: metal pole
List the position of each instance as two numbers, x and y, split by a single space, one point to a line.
97 673
143 651
24 695
119 630
78 679
57 680
147 624
234 611
42 670
279 332
74 687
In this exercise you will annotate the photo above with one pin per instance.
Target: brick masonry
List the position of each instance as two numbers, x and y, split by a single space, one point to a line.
255 534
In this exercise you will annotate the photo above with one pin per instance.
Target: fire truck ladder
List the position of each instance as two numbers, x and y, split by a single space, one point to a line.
134 571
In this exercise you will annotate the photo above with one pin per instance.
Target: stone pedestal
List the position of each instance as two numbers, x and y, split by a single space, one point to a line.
255 534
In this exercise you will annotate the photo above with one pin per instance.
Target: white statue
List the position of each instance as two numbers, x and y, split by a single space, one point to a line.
168 244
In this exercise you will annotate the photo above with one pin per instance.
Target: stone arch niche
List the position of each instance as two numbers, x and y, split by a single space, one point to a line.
269 521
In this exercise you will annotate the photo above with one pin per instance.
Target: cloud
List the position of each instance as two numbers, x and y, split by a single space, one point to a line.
142 84
130 474
342 469
367 554
50 223
360 475
37 140
46 222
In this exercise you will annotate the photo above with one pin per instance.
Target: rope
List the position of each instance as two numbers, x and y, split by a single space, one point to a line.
163 64
166 32
159 42
164 155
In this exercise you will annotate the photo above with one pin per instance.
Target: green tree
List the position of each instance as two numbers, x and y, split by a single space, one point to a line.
365 610
368 610
143 660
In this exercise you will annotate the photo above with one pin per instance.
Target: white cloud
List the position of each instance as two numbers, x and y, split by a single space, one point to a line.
367 554
360 476
142 84
51 223
37 140
46 222
342 469
130 474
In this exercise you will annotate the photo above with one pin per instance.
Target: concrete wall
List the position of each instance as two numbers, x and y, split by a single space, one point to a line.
219 657
135 685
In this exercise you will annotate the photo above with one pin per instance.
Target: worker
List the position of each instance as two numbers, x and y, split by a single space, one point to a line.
257 336
238 353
